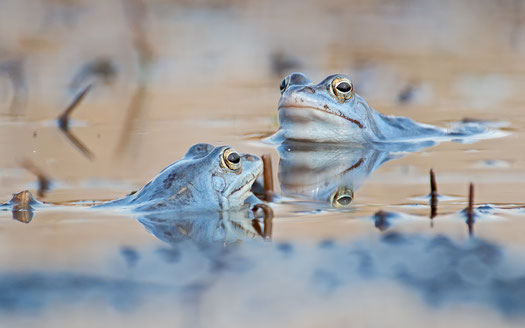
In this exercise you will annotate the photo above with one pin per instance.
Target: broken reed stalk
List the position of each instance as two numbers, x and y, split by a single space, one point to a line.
268 177
63 119
268 220
433 194
63 123
470 210
44 182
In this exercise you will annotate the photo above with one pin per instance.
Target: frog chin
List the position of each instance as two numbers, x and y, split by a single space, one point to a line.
318 125
238 192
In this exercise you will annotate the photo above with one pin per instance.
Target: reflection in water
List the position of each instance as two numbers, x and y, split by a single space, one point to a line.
325 172
21 205
63 123
174 227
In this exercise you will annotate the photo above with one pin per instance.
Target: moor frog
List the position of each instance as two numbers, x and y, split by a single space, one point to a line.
207 178
332 112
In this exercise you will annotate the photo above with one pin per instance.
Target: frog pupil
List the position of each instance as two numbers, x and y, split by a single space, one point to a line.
344 200
234 158
343 87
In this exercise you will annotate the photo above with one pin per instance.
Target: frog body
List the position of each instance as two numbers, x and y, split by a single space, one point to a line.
331 112
206 178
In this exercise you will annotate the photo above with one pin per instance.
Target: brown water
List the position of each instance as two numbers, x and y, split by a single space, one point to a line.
211 74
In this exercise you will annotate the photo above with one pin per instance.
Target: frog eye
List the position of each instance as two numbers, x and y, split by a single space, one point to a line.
342 197
284 84
342 88
231 159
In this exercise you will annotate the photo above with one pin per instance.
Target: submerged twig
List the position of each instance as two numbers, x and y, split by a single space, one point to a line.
433 195
268 220
44 182
470 210
63 123
268 177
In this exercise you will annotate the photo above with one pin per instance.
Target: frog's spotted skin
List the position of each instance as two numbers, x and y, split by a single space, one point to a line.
206 178
332 112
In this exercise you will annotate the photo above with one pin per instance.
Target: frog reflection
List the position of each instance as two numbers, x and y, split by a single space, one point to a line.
327 173
209 227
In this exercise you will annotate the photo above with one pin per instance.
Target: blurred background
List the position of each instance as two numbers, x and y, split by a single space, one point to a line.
167 74
219 63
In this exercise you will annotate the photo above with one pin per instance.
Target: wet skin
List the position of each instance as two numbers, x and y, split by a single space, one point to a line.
332 112
206 178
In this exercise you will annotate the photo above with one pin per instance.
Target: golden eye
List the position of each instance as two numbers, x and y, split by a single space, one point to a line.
342 197
284 84
342 88
231 159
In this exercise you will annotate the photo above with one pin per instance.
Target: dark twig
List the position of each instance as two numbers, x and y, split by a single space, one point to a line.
268 177
470 210
63 119
433 195
63 123
44 182
268 220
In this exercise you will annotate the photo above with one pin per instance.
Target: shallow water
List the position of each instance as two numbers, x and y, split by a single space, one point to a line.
323 266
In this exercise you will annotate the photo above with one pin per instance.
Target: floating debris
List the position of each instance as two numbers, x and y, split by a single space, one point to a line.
21 204
382 219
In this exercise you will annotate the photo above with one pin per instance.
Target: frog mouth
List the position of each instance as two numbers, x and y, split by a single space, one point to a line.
246 184
326 110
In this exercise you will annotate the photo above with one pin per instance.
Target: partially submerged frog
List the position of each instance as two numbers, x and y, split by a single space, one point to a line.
207 178
332 112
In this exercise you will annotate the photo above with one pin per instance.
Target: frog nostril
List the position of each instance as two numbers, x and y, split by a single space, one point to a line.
309 89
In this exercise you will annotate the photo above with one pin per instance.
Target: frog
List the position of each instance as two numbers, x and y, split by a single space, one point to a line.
332 112
207 178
